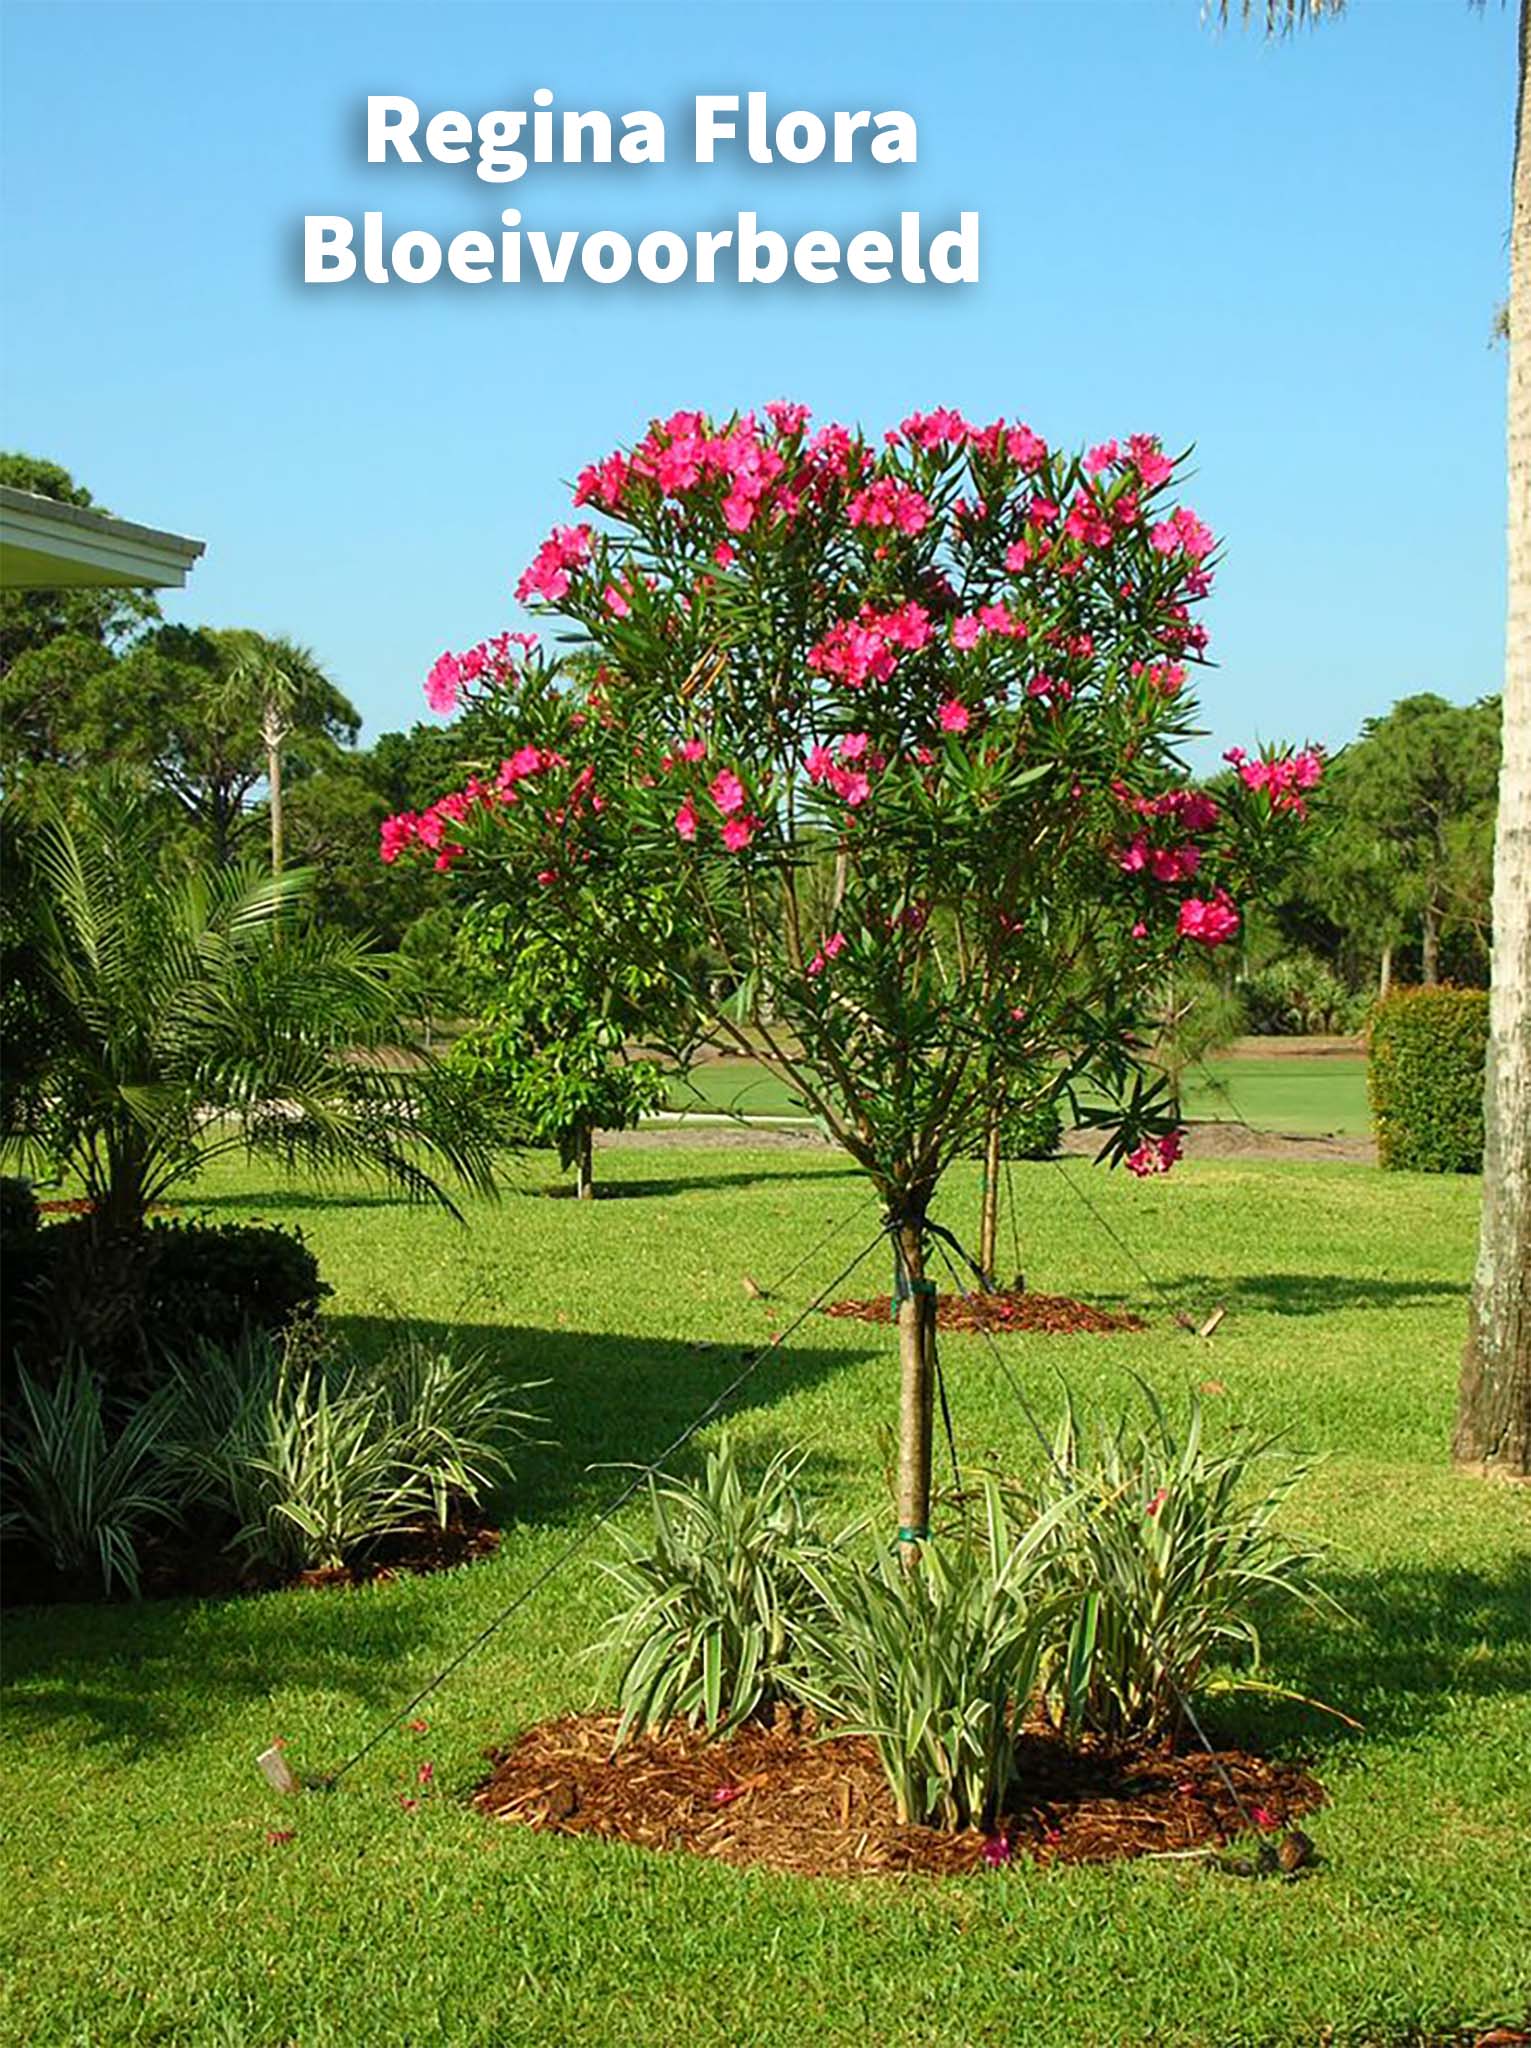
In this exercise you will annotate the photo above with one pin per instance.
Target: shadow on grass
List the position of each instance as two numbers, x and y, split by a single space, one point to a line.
612 1401
1309 1294
145 1677
1419 1640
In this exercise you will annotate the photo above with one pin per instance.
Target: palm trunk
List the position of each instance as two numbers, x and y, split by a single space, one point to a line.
917 1381
274 781
988 1220
1493 1430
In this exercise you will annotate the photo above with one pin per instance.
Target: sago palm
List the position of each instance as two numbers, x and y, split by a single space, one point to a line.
192 1010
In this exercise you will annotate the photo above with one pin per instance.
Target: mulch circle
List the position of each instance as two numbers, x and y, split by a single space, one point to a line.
778 1798
1044 1315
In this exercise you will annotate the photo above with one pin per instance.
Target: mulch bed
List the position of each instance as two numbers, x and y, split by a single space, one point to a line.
1043 1315
778 1798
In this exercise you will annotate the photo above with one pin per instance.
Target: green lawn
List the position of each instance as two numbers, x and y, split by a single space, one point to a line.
143 1900
1300 1096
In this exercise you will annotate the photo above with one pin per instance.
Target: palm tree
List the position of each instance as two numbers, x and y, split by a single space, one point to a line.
284 687
178 1030
1493 1426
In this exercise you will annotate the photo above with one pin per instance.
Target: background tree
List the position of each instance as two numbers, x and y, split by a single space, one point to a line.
34 619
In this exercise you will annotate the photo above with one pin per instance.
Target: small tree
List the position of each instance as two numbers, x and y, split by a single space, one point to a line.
553 1045
950 673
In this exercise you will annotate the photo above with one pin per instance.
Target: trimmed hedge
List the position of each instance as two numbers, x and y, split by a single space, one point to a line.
1424 1076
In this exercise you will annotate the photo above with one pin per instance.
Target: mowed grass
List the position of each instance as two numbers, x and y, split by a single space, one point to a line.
1301 1096
149 1895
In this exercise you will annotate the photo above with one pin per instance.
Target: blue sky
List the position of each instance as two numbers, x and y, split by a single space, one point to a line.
1290 255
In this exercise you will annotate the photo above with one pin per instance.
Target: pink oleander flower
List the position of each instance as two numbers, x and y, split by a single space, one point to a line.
442 685
954 716
602 483
891 503
1100 458
1182 533
996 1851
787 418
1212 922
692 749
686 821
737 833
966 633
727 792
1025 448
396 834
1152 465
853 745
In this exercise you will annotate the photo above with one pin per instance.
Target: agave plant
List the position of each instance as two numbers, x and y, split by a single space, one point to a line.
194 1010
1161 1555
934 1662
78 1491
711 1598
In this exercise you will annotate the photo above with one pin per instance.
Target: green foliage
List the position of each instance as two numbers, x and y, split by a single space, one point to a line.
1299 996
711 1596
131 1298
195 1011
77 1490
1160 1557
1427 1049
18 1207
311 1457
33 620
931 1660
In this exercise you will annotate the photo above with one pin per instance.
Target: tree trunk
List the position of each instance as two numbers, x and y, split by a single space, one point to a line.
1385 973
274 781
1493 1431
1430 948
584 1163
917 1380
988 1221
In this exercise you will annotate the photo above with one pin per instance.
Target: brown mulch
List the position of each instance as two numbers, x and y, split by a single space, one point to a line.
778 1798
1046 1315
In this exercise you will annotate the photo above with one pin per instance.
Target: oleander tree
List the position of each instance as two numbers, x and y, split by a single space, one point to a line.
874 749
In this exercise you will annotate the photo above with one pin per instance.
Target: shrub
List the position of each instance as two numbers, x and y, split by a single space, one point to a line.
78 1493
1029 1129
711 1600
932 1661
311 1458
18 1208
1424 1075
130 1299
1299 996
1160 1560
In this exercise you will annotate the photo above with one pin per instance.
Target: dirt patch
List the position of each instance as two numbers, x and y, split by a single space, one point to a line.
780 1798
1044 1315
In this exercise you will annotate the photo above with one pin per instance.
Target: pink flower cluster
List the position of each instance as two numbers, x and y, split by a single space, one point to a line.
566 548
890 502
865 649
1211 921
848 769
428 829
491 661
946 428
1155 1156
1287 777
1182 533
730 799
830 949
970 627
